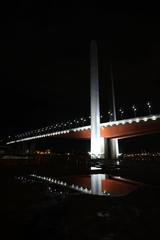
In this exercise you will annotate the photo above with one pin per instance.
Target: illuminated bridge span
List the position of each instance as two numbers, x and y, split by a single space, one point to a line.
103 136
116 129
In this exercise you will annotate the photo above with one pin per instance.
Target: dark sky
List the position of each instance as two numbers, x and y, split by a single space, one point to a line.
44 62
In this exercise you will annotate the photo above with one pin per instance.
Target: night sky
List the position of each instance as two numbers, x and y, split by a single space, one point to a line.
44 62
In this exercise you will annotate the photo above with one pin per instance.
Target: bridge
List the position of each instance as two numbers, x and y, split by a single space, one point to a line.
109 130
125 128
104 136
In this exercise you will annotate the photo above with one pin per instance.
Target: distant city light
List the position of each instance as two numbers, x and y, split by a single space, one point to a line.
134 110
149 107
121 113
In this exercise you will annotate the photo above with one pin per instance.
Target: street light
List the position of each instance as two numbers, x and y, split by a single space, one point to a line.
134 109
110 115
121 112
149 107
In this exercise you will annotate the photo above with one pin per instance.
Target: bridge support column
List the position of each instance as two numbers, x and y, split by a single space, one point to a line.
95 109
110 148
26 148
32 148
113 148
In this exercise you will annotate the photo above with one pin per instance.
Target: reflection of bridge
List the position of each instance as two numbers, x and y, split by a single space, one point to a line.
104 136
98 184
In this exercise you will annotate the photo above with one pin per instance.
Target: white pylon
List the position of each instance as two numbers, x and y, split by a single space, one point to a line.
95 109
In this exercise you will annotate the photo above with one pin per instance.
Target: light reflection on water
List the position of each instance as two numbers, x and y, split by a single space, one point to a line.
96 184
112 186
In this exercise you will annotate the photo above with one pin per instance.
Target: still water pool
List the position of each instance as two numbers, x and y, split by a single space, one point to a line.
97 184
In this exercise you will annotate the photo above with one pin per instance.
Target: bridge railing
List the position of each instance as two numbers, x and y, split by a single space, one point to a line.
49 132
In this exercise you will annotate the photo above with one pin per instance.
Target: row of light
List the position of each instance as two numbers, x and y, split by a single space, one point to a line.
134 108
107 124
141 154
137 120
61 183
55 181
55 127
72 123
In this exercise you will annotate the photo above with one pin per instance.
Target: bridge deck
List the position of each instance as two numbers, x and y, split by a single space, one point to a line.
118 129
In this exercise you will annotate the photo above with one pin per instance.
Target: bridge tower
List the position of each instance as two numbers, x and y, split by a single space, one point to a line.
96 140
113 143
100 147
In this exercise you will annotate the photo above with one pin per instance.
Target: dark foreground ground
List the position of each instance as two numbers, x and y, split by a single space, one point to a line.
40 211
